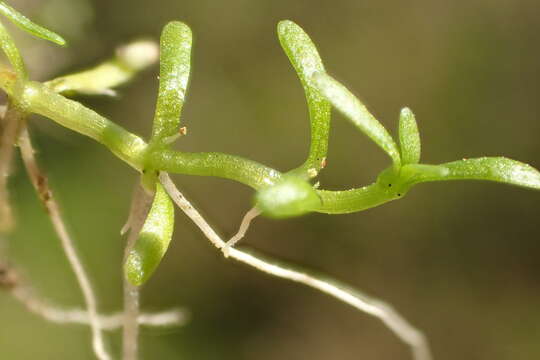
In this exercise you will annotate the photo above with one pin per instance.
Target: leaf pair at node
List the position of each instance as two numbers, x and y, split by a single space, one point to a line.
293 195
156 233
321 90
175 48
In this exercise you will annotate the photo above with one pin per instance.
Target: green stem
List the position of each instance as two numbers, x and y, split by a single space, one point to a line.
221 165
348 201
40 99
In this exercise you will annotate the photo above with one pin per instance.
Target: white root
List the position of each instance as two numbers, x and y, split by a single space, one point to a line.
54 314
244 226
395 322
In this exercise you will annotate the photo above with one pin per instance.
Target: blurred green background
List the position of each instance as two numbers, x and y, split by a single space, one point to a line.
459 260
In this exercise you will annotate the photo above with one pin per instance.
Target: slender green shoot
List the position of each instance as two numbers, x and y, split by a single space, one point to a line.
30 27
278 194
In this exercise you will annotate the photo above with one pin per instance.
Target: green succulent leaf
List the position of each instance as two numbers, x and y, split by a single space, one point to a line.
175 54
497 169
305 59
409 137
290 196
30 27
349 105
153 240
12 53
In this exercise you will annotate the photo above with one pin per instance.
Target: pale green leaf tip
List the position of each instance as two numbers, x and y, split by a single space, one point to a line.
178 26
285 25
59 41
53 37
518 173
178 30
289 31
406 112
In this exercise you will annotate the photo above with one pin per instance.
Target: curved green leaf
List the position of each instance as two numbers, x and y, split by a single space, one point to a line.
497 169
175 53
409 137
27 25
290 196
349 105
153 240
305 59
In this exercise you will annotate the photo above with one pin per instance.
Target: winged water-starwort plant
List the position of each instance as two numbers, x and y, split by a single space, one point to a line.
278 194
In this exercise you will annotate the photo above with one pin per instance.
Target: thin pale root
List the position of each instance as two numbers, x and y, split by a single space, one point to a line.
395 322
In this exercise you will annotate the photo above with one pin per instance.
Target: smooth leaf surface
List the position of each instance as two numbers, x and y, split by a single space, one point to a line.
175 58
290 196
409 137
30 27
497 169
153 240
305 59
349 105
